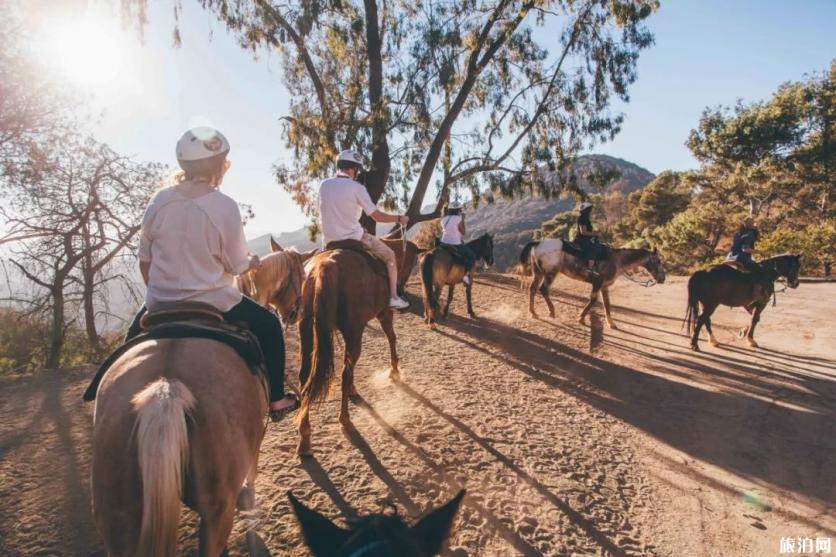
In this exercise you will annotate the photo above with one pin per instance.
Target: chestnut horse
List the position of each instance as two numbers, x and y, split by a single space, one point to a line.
727 286
546 259
343 291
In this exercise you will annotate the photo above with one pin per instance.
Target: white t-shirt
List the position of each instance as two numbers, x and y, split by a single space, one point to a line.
450 227
341 202
194 239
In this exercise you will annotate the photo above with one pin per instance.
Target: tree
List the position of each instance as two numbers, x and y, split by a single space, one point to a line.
653 206
412 83
73 208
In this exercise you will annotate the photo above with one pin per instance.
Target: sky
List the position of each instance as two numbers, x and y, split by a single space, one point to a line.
145 93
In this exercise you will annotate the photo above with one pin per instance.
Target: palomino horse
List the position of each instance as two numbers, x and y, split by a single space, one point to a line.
438 268
344 291
727 286
377 535
547 259
277 284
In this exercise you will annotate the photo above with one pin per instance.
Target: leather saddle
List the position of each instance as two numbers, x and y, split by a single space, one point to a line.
737 266
454 253
357 246
187 320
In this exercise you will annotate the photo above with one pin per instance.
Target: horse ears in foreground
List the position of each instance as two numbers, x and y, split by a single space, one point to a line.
308 254
431 531
320 534
274 245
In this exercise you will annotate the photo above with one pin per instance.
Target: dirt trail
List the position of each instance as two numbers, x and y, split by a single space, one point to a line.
570 441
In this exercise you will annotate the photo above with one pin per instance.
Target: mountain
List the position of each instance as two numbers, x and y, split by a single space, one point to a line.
511 221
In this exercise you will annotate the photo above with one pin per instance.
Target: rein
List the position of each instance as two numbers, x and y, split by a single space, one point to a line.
646 283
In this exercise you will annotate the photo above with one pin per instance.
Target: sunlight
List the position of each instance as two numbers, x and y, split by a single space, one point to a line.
85 50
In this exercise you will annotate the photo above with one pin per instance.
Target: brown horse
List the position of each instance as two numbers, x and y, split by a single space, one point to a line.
726 285
377 535
277 284
343 291
546 259
438 268
175 419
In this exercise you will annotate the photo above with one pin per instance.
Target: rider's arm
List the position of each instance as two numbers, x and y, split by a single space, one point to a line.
585 231
380 216
461 226
371 209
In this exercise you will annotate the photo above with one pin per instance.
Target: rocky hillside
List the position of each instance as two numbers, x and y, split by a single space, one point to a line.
512 221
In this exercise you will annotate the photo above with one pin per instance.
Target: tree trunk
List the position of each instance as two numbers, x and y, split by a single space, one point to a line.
90 315
56 329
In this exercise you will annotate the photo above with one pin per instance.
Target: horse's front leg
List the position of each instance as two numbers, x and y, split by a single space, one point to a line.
548 279
449 299
593 296
605 298
386 323
353 346
303 449
750 330
536 279
468 290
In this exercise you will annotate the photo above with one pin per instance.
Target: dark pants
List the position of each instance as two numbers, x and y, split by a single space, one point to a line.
465 253
264 325
590 247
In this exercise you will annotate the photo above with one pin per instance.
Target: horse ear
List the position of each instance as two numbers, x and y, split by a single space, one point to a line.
308 254
274 245
431 531
322 536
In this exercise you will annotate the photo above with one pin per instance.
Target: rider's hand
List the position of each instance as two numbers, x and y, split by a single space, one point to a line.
255 262
403 220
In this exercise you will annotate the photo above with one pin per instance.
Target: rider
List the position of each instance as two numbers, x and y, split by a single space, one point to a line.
743 246
586 238
192 245
453 229
341 202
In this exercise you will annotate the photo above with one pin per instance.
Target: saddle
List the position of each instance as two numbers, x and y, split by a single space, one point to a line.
357 246
187 320
458 258
737 266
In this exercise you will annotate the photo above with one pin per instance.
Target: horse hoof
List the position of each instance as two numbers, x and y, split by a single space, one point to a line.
714 343
695 348
348 427
751 342
472 315
552 315
246 499
395 376
304 451
612 326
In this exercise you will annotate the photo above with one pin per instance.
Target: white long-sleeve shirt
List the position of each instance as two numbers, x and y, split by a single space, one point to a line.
194 239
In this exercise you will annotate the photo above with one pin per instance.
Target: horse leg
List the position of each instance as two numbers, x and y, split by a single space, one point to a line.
750 330
468 291
707 310
449 299
215 526
353 347
544 290
536 279
593 296
304 420
386 323
605 298
246 497
711 340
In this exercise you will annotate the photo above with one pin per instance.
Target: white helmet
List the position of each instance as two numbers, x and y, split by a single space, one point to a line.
349 158
202 143
454 205
585 205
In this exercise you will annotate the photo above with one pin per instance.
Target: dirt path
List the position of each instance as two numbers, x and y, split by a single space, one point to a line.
569 441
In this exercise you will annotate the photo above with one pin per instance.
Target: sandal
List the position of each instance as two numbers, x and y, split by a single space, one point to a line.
277 415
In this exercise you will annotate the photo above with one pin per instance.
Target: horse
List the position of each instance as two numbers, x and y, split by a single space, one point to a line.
546 259
277 284
175 420
377 535
438 268
726 285
343 291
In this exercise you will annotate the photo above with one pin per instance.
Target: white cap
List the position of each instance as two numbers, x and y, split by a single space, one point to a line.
585 205
201 143
350 156
454 205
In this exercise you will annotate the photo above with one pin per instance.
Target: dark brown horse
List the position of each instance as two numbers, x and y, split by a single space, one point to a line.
726 285
438 268
546 259
377 535
343 291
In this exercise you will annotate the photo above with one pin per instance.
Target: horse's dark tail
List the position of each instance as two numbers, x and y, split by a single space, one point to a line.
322 306
524 264
693 310
427 281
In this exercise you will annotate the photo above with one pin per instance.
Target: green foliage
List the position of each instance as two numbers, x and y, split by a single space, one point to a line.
690 240
817 242
561 226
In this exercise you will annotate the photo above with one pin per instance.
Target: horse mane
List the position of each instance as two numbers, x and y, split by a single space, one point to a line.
274 266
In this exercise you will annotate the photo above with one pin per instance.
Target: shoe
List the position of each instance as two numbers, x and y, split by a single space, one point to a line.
277 415
398 303
466 280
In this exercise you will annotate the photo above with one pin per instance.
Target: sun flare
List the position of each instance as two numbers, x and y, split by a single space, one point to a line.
85 50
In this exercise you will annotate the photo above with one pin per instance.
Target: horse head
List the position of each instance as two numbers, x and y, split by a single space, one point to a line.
653 265
485 249
378 534
278 282
787 266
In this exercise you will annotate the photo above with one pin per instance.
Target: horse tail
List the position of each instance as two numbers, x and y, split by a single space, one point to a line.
524 264
162 440
693 310
323 309
427 278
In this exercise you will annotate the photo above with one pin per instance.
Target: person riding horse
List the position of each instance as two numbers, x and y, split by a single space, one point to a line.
342 200
453 231
192 245
743 245
592 249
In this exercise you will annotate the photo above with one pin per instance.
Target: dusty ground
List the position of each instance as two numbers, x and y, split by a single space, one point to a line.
569 442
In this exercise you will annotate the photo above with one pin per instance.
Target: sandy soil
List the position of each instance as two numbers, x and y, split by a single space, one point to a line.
570 440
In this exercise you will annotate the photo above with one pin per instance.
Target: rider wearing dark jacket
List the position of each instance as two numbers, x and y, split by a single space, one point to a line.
743 245
586 238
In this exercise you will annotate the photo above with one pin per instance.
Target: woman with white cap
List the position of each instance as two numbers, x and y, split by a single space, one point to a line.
192 245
